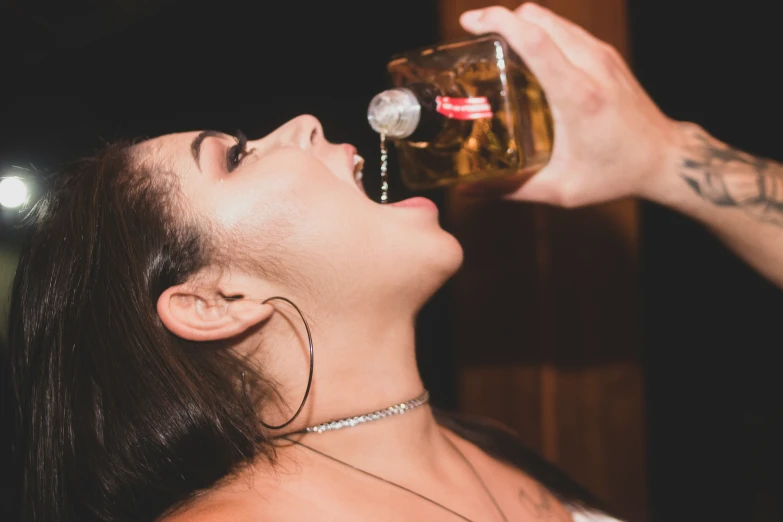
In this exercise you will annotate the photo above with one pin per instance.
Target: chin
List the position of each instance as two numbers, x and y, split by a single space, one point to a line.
446 258
456 254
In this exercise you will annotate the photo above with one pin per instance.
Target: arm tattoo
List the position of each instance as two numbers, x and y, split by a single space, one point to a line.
727 177
540 505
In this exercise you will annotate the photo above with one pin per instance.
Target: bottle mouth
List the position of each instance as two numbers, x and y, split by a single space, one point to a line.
395 113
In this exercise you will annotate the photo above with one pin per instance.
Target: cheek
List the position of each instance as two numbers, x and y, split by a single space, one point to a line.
232 208
333 217
252 217
263 199
335 227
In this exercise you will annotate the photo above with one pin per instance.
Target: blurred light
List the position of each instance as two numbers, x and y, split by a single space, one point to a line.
13 192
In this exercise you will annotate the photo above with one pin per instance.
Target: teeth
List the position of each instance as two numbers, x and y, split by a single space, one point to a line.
358 165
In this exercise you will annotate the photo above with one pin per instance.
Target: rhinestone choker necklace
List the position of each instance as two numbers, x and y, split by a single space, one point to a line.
396 409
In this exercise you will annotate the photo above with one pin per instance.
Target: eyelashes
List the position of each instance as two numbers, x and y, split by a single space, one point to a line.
236 153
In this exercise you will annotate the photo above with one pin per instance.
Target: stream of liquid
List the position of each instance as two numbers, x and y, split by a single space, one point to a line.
384 169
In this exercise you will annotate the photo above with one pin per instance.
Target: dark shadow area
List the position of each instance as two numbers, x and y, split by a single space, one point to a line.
712 325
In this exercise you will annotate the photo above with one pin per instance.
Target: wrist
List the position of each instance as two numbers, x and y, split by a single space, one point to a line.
665 185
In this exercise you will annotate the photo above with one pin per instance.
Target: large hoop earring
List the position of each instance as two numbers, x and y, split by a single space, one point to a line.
312 365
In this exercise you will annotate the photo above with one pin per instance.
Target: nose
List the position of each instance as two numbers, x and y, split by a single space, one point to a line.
303 131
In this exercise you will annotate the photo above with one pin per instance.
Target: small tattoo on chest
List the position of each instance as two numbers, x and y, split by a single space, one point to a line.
540 505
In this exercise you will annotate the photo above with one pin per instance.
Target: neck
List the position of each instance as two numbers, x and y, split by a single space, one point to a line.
361 365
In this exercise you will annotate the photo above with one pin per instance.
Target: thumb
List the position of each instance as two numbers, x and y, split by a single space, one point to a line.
540 188
533 44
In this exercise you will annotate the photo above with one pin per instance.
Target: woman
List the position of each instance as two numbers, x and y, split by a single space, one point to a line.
147 362
161 369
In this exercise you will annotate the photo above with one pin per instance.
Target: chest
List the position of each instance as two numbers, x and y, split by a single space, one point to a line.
512 496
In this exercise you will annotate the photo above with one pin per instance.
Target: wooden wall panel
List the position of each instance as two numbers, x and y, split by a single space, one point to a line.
547 334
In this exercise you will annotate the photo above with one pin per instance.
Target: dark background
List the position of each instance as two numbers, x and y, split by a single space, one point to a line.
712 327
76 74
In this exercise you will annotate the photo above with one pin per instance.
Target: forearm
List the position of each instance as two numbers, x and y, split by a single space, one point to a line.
738 196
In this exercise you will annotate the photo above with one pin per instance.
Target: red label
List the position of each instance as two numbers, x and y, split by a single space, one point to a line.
472 108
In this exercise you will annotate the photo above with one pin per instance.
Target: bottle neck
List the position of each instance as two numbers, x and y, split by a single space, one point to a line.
406 113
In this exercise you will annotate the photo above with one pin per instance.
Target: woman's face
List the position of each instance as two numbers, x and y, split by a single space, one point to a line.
291 206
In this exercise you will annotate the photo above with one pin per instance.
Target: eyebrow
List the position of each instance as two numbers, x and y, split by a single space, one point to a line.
195 146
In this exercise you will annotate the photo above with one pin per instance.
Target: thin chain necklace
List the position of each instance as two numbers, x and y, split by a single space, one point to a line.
343 423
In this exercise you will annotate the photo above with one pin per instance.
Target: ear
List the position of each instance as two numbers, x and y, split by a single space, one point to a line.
194 315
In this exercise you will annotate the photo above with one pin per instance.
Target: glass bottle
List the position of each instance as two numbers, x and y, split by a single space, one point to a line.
463 111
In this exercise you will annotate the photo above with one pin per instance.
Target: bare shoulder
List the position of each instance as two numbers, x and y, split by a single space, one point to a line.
230 508
221 512
256 494
218 505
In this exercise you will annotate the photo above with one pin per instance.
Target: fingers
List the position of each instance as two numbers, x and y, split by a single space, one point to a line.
582 48
544 58
565 33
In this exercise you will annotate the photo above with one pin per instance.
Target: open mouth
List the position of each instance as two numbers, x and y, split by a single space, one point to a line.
358 165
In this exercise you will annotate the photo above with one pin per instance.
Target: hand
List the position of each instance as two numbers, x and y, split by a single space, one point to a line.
611 141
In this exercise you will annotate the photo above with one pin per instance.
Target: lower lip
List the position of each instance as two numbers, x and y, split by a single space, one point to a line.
415 203
350 151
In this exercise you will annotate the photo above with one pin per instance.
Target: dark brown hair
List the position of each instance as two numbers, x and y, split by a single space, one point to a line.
115 418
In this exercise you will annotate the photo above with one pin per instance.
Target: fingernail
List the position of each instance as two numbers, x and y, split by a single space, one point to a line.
473 17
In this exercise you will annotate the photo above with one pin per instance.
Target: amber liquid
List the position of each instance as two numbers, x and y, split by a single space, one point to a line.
515 142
